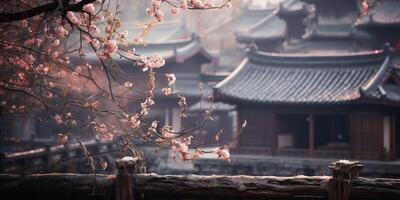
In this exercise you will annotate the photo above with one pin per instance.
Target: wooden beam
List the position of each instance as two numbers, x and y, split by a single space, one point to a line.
152 186
311 135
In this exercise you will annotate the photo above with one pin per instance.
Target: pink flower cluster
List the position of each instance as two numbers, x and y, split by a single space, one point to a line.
153 62
131 121
223 153
89 8
171 80
146 106
155 10
109 48
103 132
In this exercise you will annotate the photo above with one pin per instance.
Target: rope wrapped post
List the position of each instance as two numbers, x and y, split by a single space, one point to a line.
127 167
343 172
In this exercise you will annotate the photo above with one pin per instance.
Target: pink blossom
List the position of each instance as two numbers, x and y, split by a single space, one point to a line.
128 84
29 59
55 43
174 10
223 153
54 55
181 148
95 43
93 29
197 3
171 78
77 71
89 8
166 132
60 31
58 119
23 23
121 36
131 52
62 138
154 62
184 4
166 91
149 12
159 15
134 122
110 47
71 16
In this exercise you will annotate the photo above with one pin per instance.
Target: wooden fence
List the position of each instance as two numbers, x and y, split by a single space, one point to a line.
45 158
132 183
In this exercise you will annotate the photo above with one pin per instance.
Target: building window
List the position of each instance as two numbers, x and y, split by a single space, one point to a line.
292 130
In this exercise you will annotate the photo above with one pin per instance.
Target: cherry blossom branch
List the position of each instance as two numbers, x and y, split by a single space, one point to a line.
10 17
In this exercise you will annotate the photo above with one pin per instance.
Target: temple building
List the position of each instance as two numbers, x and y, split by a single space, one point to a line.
334 92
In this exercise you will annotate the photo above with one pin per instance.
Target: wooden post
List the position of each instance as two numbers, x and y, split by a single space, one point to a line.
274 134
127 167
2 162
311 135
47 158
343 172
65 156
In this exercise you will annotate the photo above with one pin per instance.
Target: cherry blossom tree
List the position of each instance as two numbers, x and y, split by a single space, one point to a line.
39 38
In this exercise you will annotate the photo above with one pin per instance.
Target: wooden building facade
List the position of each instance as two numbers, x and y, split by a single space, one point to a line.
342 106
330 93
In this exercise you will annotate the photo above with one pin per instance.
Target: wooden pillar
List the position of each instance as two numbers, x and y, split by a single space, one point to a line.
47 158
311 135
343 173
393 137
274 134
127 167
65 158
2 162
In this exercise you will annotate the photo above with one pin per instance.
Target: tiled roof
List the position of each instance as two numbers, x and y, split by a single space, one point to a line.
166 32
341 31
271 28
205 105
382 13
336 32
225 62
295 7
320 47
300 79
246 20
172 40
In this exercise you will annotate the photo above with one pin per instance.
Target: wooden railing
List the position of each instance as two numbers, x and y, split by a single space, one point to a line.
293 152
130 183
46 157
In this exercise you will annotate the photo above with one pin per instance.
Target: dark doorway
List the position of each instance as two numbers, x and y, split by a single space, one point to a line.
397 136
332 132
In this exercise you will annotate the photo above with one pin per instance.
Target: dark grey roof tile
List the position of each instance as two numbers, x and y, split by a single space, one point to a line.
299 79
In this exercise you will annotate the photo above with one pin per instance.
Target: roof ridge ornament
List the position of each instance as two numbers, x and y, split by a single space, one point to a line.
375 81
388 49
251 47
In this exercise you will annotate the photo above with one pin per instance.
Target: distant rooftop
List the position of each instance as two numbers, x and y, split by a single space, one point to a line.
274 78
